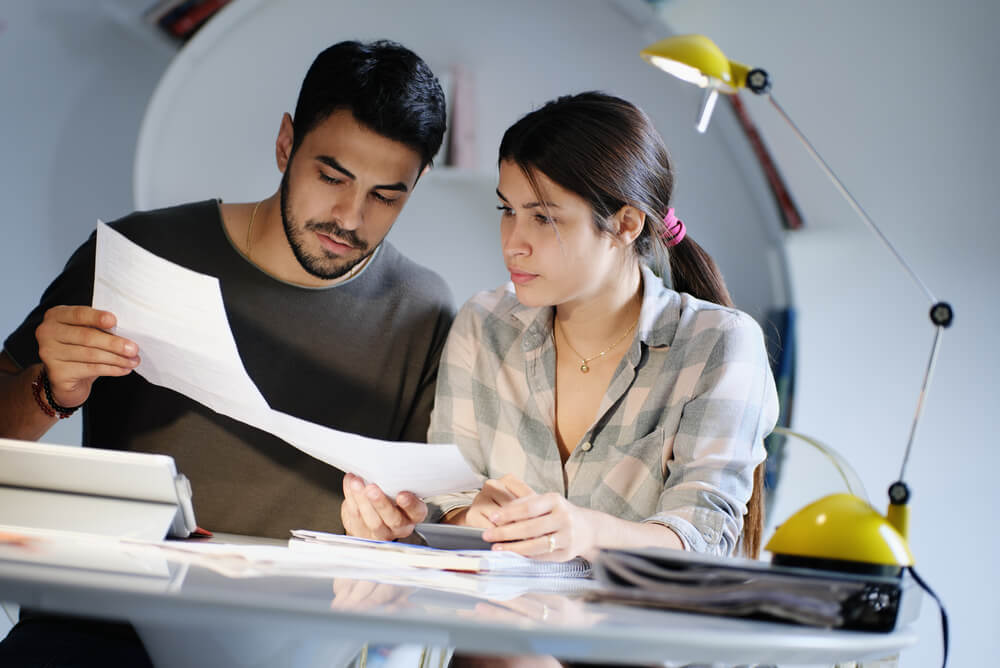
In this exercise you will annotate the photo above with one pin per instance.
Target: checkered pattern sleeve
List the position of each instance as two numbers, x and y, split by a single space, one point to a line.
453 419
710 459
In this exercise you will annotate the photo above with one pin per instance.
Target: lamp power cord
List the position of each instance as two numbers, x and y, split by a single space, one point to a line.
944 615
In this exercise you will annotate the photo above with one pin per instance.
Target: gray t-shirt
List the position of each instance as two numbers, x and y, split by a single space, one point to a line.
360 357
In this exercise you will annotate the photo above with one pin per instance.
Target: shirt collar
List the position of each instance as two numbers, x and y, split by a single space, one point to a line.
660 311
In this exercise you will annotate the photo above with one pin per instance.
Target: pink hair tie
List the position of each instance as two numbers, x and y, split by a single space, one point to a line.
674 229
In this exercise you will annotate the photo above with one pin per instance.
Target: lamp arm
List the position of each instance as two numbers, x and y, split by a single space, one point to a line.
941 313
923 394
850 198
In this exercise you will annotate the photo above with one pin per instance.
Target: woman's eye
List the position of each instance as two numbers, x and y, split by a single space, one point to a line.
505 210
543 219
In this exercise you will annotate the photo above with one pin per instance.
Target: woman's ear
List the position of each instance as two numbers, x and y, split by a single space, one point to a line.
629 222
283 144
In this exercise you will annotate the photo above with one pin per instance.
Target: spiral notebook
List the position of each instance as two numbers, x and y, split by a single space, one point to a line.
348 550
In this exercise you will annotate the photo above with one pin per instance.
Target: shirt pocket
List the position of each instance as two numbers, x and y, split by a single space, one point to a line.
631 478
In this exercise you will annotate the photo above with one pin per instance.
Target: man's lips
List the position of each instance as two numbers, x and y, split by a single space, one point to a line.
521 277
334 245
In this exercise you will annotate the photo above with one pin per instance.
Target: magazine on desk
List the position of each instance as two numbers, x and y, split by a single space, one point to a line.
682 581
349 550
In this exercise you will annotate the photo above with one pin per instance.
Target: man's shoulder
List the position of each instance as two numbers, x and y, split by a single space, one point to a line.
414 279
167 218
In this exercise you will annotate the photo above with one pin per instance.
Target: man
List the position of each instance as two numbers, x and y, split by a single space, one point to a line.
333 324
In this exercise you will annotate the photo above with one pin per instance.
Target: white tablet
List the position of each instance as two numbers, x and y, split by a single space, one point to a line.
92 490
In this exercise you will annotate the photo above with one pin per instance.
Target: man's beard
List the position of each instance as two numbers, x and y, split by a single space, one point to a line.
323 266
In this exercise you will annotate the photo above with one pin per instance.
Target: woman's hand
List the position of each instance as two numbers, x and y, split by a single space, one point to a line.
368 513
543 526
494 495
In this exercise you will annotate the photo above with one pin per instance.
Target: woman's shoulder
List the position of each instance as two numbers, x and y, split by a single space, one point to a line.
706 329
498 304
700 314
697 327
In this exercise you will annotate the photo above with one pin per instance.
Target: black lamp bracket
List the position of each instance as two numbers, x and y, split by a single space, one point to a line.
758 81
942 314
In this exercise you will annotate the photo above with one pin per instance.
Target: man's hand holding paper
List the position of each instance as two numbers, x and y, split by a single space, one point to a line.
77 349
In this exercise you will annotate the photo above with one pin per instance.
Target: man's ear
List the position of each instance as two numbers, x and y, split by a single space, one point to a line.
283 144
423 173
628 223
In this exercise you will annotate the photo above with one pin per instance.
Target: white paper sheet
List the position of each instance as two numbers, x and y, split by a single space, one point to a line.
177 318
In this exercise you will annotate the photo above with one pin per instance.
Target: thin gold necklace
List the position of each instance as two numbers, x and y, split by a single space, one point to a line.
253 214
584 361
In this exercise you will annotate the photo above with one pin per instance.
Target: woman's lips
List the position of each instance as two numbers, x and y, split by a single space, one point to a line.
521 277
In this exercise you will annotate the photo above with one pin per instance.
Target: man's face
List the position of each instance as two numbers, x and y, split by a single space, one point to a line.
341 192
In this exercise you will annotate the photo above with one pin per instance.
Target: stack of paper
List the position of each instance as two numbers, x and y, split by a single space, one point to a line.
740 587
352 551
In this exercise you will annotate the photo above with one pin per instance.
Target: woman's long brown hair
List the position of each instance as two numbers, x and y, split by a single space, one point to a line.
607 151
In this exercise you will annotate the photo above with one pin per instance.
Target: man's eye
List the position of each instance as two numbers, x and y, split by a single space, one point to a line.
383 199
328 179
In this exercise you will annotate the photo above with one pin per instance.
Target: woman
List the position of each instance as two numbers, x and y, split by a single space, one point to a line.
605 409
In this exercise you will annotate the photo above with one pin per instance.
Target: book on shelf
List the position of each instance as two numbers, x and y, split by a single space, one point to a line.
182 18
677 580
349 550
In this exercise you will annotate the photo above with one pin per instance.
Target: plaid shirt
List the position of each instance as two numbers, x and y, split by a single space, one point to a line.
679 430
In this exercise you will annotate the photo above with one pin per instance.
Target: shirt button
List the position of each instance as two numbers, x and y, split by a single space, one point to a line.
587 445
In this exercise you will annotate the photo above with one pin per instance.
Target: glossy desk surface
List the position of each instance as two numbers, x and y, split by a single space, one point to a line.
245 613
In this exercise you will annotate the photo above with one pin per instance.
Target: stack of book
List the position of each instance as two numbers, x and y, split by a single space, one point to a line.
181 18
682 581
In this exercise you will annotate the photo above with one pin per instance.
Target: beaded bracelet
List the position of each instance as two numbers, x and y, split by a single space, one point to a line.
52 409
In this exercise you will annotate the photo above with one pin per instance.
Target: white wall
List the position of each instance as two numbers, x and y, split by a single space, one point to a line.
223 97
898 97
74 81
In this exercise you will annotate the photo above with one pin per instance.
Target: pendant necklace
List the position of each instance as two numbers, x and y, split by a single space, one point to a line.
585 361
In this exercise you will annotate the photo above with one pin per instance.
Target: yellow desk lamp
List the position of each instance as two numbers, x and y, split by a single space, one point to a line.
840 531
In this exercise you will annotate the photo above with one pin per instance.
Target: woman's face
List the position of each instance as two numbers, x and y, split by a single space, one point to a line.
553 250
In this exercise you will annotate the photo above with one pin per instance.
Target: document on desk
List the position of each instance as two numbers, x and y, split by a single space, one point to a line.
178 319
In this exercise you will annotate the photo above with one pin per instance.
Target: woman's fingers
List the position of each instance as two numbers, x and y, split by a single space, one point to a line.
517 487
526 507
525 530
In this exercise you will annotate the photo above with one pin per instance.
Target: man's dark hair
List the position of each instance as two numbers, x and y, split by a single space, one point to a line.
387 87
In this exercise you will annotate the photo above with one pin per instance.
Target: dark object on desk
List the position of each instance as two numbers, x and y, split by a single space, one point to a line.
743 588
450 537
63 641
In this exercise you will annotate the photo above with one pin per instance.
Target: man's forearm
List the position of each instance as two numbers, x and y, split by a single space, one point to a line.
20 415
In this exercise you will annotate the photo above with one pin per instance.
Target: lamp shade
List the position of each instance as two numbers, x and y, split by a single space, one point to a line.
696 59
841 528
